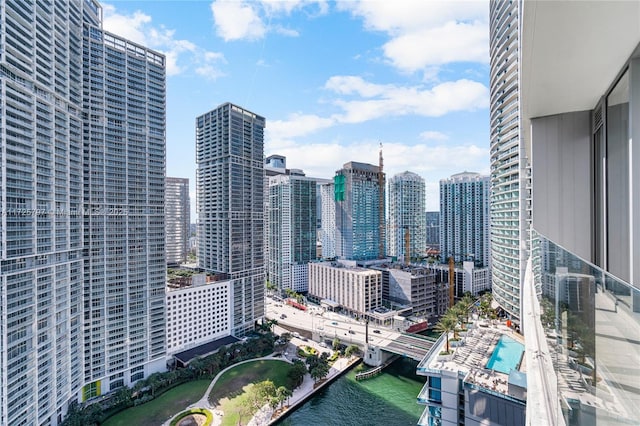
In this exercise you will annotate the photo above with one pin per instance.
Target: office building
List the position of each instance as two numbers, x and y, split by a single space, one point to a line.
432 230
464 218
177 212
292 231
359 194
344 285
83 261
580 116
406 239
328 220
230 204
416 287
508 159
198 311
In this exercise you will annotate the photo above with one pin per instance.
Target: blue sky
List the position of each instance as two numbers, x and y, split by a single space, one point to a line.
333 79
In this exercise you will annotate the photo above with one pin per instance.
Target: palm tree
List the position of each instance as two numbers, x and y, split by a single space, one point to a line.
446 324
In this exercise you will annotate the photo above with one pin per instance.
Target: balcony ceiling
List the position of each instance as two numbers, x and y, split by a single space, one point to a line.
572 52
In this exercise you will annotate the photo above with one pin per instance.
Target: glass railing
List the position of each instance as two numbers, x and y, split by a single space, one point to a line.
590 324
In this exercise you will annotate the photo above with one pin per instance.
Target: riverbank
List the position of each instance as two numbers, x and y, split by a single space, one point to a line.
308 388
299 396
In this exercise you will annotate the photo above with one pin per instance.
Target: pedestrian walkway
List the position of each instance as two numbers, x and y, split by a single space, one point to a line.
264 416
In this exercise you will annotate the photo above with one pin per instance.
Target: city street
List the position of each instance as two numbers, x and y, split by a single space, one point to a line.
329 325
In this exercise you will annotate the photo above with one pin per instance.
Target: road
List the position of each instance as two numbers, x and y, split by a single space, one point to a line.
329 325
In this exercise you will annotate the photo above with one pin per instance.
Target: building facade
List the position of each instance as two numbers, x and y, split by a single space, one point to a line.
177 209
432 230
580 122
82 238
508 158
328 221
292 231
414 286
464 218
357 290
406 217
197 313
230 193
359 194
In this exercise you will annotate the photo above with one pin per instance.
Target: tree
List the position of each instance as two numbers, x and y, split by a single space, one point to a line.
352 350
282 394
446 324
336 344
296 374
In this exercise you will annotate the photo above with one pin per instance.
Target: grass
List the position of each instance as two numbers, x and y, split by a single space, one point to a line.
228 392
159 410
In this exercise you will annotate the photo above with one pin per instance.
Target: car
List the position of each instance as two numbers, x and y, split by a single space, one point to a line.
376 331
283 316
334 323
352 332
322 344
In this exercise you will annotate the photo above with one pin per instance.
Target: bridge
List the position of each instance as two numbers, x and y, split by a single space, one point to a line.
410 345
326 326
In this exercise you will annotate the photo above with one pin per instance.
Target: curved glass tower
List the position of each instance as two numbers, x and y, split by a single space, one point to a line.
508 159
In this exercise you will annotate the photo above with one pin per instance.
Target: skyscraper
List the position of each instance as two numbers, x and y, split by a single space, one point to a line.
230 195
406 214
464 218
359 219
82 250
328 224
508 159
292 230
177 210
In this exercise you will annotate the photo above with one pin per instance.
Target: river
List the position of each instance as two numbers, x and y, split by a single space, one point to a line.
386 400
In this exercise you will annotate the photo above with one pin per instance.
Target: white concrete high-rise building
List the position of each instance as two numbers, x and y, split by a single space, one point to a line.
406 214
230 194
177 211
509 175
464 218
82 236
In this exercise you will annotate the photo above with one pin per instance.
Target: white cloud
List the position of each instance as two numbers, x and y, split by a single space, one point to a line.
461 95
444 31
237 20
369 101
297 125
433 135
251 20
180 54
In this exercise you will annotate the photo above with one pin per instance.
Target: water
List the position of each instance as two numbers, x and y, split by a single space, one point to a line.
388 400
506 356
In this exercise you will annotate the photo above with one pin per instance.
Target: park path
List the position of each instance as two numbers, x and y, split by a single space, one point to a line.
204 401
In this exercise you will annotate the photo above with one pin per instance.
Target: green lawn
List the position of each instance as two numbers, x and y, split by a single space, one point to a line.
228 391
159 410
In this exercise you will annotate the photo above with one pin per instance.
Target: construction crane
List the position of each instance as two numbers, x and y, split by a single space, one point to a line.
381 205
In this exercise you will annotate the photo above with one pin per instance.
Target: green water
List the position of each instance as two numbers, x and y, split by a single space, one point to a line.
387 400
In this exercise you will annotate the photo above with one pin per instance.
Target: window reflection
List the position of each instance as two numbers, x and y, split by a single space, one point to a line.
592 323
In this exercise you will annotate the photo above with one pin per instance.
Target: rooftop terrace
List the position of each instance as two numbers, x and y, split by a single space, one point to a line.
471 356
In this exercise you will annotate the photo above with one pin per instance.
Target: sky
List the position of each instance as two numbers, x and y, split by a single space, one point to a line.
334 79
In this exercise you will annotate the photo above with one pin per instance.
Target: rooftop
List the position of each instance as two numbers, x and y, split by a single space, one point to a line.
471 356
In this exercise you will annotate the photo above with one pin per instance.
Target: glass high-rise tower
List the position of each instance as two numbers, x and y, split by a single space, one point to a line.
359 218
230 199
82 236
406 214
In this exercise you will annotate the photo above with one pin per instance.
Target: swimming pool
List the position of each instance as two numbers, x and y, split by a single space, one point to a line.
506 356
